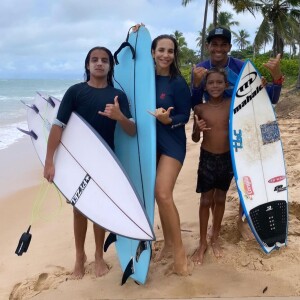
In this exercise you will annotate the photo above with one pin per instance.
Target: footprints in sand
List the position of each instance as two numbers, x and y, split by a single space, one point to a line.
33 286
41 283
46 281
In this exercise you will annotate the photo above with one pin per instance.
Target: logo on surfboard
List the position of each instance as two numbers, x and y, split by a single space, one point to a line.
245 89
237 143
80 189
279 188
248 187
276 179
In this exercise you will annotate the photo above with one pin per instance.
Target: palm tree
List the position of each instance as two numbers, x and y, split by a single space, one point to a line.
180 39
202 36
281 17
225 20
241 39
181 43
216 5
263 36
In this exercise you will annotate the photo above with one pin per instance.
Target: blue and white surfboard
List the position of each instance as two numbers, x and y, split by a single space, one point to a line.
258 160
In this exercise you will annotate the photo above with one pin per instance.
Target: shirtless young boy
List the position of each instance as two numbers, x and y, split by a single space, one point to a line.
215 170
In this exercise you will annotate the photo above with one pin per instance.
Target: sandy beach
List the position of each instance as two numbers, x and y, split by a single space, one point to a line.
44 271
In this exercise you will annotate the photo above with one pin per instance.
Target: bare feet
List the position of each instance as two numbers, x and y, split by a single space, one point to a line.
217 249
101 268
245 230
181 268
165 252
198 255
79 270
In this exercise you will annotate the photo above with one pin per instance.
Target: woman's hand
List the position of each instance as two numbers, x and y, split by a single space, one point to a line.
162 115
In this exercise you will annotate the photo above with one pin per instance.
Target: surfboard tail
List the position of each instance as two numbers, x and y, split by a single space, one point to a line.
269 221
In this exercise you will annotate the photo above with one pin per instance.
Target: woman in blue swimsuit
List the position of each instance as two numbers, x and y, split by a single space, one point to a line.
173 102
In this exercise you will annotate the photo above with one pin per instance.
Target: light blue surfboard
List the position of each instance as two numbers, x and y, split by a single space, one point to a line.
135 75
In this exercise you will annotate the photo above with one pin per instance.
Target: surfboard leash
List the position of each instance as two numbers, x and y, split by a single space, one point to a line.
122 46
25 238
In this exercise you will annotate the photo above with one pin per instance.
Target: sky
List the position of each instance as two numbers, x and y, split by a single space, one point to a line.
50 38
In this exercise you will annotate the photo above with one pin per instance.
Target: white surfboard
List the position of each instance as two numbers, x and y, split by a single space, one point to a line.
88 173
258 160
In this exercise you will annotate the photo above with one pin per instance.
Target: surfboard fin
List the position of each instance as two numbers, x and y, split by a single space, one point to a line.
49 99
33 106
141 247
129 270
29 132
109 240
24 242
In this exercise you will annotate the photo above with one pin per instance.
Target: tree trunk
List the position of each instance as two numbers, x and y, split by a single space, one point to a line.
215 17
277 44
298 80
203 31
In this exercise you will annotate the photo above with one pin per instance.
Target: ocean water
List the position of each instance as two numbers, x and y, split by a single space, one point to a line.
13 111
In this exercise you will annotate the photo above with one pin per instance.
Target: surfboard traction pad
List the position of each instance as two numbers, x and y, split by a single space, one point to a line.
269 221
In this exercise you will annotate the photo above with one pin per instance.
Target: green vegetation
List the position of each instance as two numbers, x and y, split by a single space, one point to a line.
289 67
280 26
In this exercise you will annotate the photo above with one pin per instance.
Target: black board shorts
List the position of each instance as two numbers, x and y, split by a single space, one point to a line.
214 171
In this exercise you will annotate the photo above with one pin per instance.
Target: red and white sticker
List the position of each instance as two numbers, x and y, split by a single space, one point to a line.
276 179
248 188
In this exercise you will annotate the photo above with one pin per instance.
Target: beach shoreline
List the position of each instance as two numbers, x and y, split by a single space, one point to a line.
44 271
20 166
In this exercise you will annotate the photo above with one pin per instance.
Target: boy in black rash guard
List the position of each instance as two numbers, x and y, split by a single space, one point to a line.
101 105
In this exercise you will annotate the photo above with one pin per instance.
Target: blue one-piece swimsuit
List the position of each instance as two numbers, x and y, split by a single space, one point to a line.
171 138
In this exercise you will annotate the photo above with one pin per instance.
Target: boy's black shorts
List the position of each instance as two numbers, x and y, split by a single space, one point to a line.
214 171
